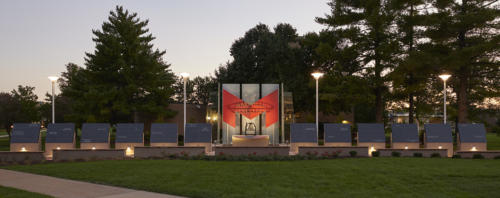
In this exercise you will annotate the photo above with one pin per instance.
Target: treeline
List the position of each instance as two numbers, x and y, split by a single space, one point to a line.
380 56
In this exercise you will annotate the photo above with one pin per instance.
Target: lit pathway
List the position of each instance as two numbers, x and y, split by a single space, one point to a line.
57 187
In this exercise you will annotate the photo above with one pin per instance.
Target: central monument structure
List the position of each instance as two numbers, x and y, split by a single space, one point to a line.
250 114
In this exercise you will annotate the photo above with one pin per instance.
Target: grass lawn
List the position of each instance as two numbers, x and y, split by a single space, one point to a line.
355 177
7 192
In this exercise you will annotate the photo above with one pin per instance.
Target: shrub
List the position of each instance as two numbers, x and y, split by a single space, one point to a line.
497 157
396 154
435 155
417 155
457 156
376 153
353 153
477 156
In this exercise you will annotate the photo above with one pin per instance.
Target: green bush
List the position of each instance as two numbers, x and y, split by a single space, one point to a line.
396 154
375 153
457 156
353 153
436 155
497 157
477 156
417 155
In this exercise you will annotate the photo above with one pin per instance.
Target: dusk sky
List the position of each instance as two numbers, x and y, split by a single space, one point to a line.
38 38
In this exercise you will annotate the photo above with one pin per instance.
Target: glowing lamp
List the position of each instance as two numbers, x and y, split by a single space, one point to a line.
53 78
440 147
444 77
473 148
406 147
23 149
317 75
93 148
185 75
58 148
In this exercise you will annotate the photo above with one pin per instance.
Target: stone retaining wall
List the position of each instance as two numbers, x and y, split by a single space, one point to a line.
163 152
88 154
411 152
256 151
485 154
21 157
340 151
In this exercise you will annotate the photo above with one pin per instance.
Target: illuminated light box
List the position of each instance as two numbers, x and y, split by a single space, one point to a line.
59 136
337 135
25 137
438 136
404 136
371 135
128 136
95 136
471 137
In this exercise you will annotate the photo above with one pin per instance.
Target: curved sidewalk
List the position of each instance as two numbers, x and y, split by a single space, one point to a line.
57 187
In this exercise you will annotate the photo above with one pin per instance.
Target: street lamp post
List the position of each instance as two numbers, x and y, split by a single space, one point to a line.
53 80
444 77
316 76
185 77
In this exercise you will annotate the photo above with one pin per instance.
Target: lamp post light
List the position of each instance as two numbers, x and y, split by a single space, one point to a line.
316 76
53 80
444 77
185 77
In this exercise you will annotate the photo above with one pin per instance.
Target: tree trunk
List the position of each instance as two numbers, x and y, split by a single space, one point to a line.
379 106
462 99
410 110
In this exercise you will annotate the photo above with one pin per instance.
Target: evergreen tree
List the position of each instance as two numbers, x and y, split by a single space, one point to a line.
124 76
466 39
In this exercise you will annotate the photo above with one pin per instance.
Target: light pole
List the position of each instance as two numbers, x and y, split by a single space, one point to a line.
185 77
444 77
316 76
53 80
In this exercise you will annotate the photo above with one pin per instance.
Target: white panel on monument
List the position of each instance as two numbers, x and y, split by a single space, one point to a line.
272 130
227 130
250 95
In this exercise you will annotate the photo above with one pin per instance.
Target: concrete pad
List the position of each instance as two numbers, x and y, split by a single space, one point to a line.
58 187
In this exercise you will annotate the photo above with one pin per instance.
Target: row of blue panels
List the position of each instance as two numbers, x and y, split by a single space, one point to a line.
374 132
99 133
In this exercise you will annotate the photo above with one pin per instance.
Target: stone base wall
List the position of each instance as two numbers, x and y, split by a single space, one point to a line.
256 150
163 152
86 154
402 145
480 146
96 145
294 147
128 147
485 154
49 147
208 146
444 145
411 152
338 144
164 144
7 157
29 147
340 151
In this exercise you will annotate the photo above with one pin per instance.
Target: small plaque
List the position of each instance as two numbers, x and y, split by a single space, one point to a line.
60 133
163 133
337 133
129 132
405 133
303 132
25 133
438 133
198 133
472 133
95 133
371 132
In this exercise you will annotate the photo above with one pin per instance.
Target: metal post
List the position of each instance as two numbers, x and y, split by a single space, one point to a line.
218 113
282 114
53 103
317 101
444 93
185 79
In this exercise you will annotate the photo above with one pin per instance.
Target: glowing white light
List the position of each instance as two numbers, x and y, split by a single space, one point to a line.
185 75
93 148
129 151
440 147
53 78
473 148
23 149
58 148
209 118
444 77
214 118
317 75
372 149
406 147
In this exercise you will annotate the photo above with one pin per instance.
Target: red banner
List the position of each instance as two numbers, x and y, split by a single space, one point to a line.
232 104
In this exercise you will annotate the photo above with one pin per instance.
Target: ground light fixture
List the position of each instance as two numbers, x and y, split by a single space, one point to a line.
53 80
440 147
316 76
473 148
23 149
444 77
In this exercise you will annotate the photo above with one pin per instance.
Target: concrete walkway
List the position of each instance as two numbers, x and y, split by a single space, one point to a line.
57 187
